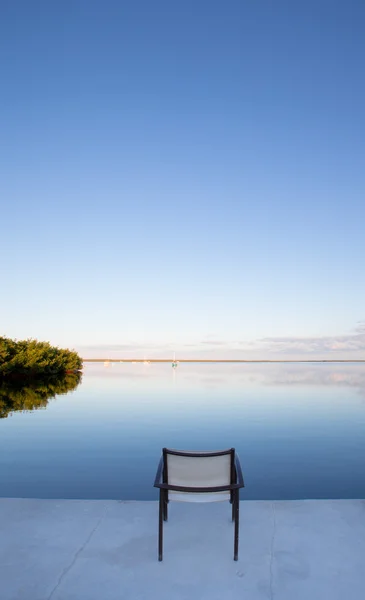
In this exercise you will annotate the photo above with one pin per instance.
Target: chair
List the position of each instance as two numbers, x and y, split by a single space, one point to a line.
198 477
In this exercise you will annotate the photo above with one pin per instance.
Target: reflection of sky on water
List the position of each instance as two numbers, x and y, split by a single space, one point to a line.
299 429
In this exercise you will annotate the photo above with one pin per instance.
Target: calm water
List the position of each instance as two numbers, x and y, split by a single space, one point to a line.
299 430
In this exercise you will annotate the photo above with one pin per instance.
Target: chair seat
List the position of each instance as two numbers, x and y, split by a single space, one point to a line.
198 497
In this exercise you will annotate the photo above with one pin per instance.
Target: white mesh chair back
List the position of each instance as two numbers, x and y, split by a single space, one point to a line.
199 472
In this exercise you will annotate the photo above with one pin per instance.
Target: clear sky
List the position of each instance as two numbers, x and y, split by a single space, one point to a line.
184 176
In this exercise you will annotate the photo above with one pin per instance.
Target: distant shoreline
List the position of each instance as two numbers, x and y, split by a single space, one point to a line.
194 360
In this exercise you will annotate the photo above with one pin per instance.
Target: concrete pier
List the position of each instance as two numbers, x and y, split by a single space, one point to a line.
107 550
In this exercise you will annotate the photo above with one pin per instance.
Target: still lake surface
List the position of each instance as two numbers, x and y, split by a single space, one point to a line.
299 430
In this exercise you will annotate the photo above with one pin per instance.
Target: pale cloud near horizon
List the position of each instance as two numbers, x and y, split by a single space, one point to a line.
349 343
289 346
130 347
352 342
214 342
360 327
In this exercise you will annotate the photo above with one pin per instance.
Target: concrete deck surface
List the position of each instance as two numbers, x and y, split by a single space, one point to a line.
107 550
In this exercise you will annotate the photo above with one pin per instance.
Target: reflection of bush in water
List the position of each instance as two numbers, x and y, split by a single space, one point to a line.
34 393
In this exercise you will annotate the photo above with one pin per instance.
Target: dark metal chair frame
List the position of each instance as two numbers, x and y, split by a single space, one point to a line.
161 482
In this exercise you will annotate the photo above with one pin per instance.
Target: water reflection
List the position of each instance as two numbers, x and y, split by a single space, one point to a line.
234 375
345 375
349 375
35 393
299 429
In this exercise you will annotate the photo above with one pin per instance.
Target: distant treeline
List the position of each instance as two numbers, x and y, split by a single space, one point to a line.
30 358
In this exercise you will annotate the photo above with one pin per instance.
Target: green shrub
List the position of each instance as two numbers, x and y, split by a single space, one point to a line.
30 357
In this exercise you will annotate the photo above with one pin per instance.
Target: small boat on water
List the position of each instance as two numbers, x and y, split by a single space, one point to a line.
174 362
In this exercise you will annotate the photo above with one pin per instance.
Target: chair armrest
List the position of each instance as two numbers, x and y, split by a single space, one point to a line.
239 475
198 490
158 478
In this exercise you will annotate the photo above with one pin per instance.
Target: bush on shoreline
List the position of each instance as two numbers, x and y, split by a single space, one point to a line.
30 358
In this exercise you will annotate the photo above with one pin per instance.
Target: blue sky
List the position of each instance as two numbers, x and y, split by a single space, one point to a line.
184 175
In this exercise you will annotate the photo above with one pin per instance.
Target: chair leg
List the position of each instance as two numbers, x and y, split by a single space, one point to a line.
165 501
160 525
236 523
233 509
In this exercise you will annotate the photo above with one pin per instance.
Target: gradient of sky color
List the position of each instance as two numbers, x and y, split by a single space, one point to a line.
186 175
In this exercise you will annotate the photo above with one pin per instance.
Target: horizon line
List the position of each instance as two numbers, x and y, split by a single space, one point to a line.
230 360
